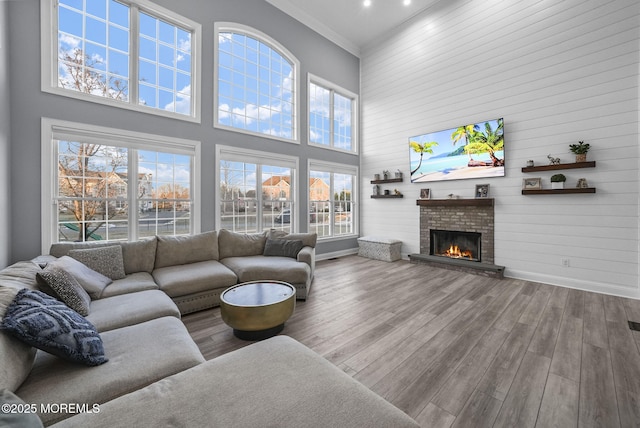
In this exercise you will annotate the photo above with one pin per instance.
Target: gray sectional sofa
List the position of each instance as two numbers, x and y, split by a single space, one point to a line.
193 270
155 374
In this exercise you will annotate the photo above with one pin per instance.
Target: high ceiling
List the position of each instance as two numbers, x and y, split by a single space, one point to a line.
348 23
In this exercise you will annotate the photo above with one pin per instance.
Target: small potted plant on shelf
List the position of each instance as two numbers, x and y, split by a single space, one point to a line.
557 181
398 174
385 174
580 150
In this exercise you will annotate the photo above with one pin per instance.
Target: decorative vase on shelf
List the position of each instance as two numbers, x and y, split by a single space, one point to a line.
581 157
557 185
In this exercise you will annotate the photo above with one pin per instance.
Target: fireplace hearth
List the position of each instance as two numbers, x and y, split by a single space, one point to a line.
458 234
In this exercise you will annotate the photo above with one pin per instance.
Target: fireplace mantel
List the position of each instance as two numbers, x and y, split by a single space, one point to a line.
475 202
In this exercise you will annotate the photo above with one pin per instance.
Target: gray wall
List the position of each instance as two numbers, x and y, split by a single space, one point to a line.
5 136
316 55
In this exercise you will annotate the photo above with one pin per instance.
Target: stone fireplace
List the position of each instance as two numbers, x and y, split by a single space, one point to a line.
470 223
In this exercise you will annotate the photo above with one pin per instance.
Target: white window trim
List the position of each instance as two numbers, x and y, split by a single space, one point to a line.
339 168
119 137
272 159
311 78
49 71
221 27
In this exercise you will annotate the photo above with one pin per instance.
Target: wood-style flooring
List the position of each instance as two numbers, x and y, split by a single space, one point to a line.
457 350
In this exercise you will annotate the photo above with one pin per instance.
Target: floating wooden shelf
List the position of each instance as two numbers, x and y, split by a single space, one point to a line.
389 180
591 164
558 191
476 202
386 196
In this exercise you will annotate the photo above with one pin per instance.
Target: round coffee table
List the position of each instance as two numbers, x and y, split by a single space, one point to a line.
257 310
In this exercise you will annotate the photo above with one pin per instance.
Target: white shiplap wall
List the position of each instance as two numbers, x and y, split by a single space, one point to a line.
558 72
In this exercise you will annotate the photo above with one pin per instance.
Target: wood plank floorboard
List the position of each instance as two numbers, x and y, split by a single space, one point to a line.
458 350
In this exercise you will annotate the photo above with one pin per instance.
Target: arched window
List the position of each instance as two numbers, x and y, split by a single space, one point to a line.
256 84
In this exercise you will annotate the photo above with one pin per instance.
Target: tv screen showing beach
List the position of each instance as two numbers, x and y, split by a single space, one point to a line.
470 151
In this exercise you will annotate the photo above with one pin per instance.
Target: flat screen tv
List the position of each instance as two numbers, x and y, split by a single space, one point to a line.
469 151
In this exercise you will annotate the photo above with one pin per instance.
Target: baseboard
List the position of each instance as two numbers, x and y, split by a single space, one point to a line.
341 253
578 284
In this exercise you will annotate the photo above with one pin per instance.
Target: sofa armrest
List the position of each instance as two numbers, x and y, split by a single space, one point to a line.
308 255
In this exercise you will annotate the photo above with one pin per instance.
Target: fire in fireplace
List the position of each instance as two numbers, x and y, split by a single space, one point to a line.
455 244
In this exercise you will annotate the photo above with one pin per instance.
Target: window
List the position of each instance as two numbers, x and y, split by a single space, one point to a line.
332 199
256 192
332 113
256 84
104 184
134 55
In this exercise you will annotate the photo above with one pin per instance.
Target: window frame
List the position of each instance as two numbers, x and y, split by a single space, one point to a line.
333 89
222 27
49 59
336 168
53 129
260 158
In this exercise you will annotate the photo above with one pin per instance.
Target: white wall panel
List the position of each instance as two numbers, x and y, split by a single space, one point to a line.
558 72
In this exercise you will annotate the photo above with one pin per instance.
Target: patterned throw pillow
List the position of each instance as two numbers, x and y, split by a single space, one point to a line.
50 325
66 288
93 282
105 260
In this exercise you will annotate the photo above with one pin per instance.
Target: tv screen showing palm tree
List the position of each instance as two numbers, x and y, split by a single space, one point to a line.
469 151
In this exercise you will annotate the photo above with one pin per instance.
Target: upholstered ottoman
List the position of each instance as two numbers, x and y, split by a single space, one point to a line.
379 248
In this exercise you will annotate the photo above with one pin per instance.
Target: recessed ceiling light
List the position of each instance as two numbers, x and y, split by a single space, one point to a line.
406 2
367 3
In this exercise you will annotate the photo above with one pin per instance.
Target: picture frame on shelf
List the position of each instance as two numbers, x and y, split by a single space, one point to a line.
425 193
482 190
532 183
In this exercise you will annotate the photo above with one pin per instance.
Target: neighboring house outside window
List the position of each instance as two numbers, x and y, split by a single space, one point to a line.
332 116
91 50
256 85
105 184
332 199
256 191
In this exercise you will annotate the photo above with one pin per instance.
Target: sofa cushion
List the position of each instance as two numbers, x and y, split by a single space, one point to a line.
64 287
20 275
22 417
93 282
234 244
17 357
180 250
139 354
274 383
139 256
120 311
308 239
106 260
256 268
131 283
194 277
48 324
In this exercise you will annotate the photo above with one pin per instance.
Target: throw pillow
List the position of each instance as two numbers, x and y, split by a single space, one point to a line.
105 260
282 247
93 282
50 325
66 288
308 239
24 416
